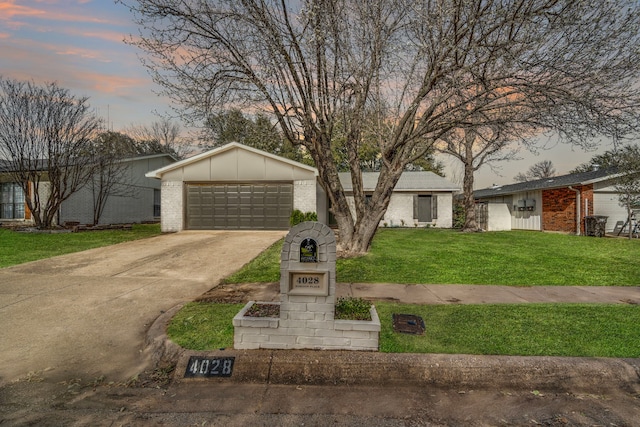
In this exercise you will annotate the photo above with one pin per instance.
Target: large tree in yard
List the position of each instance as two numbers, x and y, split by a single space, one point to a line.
413 73
46 134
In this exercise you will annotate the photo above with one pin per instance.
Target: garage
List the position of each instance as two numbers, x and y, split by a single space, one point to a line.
239 206
234 187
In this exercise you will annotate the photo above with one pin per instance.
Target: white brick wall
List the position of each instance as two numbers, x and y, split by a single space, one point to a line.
306 321
171 206
278 333
304 195
401 208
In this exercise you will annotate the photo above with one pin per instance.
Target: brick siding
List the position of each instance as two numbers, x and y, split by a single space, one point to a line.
559 208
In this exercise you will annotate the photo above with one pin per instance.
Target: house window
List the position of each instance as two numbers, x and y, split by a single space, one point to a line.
11 201
156 202
425 208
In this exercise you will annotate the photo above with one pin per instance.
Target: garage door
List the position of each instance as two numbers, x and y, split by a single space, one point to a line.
239 206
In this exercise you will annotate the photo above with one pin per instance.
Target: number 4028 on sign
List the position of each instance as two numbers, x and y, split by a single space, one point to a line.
209 367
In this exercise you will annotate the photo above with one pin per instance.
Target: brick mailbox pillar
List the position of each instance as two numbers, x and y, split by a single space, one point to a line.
307 301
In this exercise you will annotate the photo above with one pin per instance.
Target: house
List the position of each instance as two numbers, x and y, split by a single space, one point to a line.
136 199
240 187
418 199
559 203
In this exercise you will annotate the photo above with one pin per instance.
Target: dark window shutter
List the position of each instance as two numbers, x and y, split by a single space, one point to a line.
415 207
434 207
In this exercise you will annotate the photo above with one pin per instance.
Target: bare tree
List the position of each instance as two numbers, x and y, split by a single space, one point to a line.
162 136
627 163
540 170
107 152
427 70
46 134
475 147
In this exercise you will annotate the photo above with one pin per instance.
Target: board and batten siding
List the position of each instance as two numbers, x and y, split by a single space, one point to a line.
606 202
526 220
236 165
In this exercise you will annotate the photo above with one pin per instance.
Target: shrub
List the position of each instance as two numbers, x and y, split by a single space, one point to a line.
297 216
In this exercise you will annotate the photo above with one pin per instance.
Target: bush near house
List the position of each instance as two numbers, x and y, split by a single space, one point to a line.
297 216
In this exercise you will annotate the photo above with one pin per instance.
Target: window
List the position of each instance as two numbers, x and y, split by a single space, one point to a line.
156 202
425 208
11 201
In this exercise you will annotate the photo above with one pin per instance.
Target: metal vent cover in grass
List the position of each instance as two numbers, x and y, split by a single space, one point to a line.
408 324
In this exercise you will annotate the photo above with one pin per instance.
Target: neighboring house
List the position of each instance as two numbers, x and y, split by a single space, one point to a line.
559 203
12 197
419 199
240 187
136 198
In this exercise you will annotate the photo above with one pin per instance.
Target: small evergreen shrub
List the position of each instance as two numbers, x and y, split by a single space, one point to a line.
297 216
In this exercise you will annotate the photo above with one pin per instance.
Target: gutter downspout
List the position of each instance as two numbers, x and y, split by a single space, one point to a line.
578 213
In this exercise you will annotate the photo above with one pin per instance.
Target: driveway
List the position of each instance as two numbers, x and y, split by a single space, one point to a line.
85 315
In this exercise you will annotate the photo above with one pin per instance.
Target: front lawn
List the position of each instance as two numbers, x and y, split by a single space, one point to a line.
586 330
450 257
513 258
16 247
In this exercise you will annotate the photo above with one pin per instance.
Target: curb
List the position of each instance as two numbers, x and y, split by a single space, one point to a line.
306 367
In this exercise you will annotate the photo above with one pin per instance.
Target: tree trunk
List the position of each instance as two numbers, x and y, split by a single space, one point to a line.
469 202
357 240
629 217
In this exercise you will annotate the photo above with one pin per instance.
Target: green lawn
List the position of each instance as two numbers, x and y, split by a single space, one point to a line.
587 330
16 248
431 256
514 258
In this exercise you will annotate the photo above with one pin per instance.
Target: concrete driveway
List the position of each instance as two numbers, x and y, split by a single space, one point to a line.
85 315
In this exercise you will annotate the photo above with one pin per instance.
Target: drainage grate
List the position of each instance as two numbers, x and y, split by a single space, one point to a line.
408 324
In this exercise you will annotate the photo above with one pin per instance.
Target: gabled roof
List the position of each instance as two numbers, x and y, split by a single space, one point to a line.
581 178
408 182
6 165
232 145
149 156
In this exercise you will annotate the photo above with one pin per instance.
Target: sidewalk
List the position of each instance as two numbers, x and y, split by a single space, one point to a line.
444 294
488 294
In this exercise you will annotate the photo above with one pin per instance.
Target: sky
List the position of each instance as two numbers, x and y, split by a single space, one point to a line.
79 44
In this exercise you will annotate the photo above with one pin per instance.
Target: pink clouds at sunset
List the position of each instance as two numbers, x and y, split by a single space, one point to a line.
79 44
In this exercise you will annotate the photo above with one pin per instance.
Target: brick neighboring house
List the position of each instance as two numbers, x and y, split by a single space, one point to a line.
559 203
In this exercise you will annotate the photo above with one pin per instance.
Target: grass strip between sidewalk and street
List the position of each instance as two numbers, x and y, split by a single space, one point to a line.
21 247
512 258
581 330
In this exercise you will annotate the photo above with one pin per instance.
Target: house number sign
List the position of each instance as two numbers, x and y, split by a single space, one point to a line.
205 367
308 283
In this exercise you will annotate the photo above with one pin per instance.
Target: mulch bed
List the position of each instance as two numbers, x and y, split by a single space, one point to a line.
263 310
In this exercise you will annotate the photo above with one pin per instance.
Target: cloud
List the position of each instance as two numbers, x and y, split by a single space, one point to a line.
9 10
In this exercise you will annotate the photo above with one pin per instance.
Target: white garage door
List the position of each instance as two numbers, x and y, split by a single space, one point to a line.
239 206
607 204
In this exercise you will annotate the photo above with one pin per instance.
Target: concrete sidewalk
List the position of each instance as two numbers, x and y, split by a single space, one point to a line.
447 294
488 294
